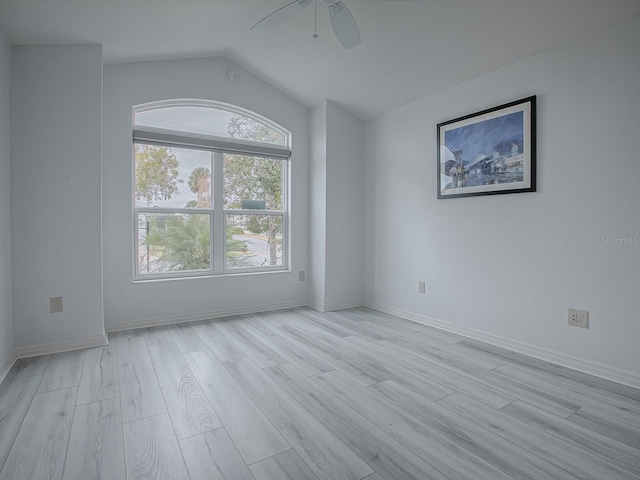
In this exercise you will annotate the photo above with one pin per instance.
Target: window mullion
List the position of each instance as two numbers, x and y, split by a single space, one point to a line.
219 238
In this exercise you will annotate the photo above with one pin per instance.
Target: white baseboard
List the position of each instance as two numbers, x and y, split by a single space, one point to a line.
4 369
195 317
316 305
331 307
61 347
575 363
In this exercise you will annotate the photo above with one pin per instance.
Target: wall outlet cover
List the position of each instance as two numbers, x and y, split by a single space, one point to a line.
578 318
55 304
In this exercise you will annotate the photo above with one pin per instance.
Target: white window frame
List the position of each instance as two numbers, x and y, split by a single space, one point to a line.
217 146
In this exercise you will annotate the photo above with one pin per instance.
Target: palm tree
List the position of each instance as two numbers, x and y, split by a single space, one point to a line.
200 185
181 242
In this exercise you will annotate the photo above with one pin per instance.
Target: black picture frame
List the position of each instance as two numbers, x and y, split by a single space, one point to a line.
489 152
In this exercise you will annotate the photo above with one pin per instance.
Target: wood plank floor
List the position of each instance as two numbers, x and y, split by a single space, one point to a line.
298 394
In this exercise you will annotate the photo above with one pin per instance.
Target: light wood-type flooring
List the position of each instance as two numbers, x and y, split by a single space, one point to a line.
297 394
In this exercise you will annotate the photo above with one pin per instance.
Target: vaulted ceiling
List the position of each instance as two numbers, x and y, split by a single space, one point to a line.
409 49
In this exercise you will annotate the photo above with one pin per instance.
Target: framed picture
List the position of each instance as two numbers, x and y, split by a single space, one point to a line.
489 152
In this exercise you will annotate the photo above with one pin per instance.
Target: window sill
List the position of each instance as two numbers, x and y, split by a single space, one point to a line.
153 279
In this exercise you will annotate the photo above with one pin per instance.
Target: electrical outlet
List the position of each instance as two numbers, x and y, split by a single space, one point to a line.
55 304
578 318
421 287
301 276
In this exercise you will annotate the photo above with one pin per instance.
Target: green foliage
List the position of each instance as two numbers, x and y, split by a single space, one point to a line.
253 178
248 129
181 242
156 173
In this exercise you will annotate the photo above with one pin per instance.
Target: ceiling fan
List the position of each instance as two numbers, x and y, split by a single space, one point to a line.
342 21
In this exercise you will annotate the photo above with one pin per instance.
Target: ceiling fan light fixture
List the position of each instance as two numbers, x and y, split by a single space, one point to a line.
342 21
344 25
336 7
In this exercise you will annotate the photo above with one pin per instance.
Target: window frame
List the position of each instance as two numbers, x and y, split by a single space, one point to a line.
217 146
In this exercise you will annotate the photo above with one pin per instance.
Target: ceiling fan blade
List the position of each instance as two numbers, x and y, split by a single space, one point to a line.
280 16
344 25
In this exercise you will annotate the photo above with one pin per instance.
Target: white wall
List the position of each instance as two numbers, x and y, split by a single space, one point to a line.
336 191
509 266
344 209
318 206
6 315
55 192
126 303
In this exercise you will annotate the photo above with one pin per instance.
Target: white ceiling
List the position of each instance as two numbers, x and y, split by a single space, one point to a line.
409 49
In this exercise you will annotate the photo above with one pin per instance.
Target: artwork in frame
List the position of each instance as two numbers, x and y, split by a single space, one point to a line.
489 152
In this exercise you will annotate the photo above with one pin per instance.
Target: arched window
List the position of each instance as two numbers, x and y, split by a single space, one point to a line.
210 190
